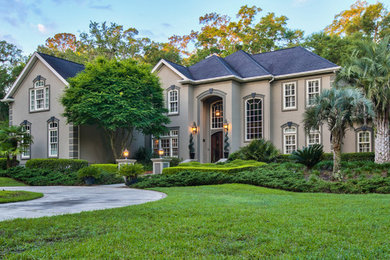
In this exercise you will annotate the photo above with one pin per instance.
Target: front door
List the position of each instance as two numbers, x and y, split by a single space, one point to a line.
216 146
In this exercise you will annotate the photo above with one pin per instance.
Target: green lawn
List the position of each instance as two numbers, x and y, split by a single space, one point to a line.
4 182
232 220
14 196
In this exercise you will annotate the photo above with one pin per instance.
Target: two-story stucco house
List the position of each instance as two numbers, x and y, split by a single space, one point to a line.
34 102
256 96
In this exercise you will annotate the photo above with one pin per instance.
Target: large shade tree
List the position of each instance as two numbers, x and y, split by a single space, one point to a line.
118 96
369 70
339 109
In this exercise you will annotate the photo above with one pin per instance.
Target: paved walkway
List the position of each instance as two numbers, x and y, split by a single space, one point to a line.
58 200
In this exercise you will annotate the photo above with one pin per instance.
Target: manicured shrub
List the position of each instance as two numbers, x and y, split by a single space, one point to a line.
109 167
3 163
89 171
350 157
62 165
259 150
41 177
109 174
230 167
282 158
308 156
131 170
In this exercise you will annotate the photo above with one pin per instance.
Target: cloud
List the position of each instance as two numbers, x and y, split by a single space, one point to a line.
300 2
166 25
42 28
101 7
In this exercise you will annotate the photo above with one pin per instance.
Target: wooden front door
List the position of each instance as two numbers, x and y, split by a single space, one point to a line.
216 146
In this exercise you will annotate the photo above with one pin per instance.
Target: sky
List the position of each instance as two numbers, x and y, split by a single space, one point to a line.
28 23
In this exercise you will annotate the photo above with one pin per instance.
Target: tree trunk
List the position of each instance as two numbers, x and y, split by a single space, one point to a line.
9 162
336 160
382 139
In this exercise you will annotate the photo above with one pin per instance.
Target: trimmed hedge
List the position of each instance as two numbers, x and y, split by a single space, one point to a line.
108 167
231 167
287 176
352 157
62 165
109 174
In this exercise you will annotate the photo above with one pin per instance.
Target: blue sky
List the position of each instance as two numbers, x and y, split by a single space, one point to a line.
29 23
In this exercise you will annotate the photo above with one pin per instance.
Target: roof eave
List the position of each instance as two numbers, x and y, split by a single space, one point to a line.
310 72
7 100
164 62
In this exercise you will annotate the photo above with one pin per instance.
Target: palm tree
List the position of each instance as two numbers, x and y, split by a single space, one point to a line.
339 109
13 141
369 70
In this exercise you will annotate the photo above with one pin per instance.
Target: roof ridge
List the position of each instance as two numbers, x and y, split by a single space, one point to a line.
182 66
283 49
227 66
253 60
316 55
40 53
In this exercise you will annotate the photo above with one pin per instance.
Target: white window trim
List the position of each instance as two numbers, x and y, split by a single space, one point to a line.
23 155
289 134
169 101
369 141
307 89
211 115
46 98
314 132
246 119
52 129
284 95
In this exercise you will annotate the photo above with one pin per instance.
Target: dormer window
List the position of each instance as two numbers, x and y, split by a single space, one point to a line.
39 95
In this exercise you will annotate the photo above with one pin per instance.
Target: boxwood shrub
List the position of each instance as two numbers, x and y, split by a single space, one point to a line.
62 165
230 167
108 167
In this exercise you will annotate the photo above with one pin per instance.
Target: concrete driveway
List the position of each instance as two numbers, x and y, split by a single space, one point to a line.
58 200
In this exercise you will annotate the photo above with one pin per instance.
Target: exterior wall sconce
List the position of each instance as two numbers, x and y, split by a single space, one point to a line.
194 128
126 153
225 125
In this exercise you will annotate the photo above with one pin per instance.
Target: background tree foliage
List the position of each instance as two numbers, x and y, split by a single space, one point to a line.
11 64
221 34
118 96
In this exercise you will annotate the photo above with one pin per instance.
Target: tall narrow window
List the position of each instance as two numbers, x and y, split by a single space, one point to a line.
314 136
53 139
26 151
217 115
289 96
39 95
253 119
290 139
173 101
312 91
169 143
364 141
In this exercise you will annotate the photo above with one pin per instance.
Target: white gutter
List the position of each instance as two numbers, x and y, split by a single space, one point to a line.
7 100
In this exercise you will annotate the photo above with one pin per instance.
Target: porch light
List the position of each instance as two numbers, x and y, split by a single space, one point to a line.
194 128
225 125
217 113
161 153
125 153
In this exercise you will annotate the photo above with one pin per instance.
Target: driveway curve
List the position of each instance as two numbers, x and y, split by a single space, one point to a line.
58 200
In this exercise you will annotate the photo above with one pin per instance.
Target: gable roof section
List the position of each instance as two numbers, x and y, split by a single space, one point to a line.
63 69
292 60
242 66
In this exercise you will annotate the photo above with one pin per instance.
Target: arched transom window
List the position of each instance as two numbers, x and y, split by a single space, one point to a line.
217 114
253 119
289 139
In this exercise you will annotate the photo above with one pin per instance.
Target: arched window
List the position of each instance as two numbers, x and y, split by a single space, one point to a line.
173 101
217 115
364 141
39 95
53 137
253 119
289 139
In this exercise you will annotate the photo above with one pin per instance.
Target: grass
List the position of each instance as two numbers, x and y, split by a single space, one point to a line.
224 221
7 182
14 196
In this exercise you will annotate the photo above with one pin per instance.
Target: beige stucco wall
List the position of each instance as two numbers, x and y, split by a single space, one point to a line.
38 120
194 107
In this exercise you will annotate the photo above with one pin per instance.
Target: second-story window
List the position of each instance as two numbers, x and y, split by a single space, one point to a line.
173 101
253 119
39 96
289 96
312 91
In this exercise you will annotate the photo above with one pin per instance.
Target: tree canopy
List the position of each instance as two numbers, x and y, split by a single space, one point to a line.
118 96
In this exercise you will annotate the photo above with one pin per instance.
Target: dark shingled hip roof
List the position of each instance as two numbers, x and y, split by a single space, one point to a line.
65 68
244 65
